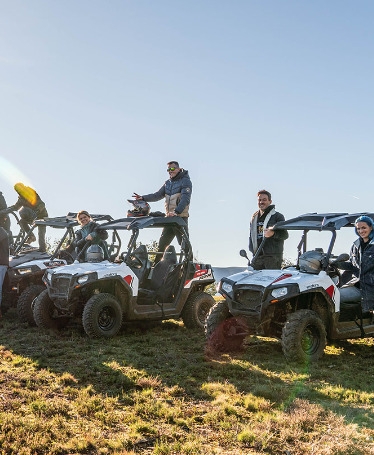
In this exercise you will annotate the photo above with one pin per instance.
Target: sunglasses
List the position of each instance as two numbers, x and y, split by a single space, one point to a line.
171 169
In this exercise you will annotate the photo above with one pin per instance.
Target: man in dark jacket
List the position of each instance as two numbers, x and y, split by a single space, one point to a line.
177 193
4 259
4 218
30 207
271 254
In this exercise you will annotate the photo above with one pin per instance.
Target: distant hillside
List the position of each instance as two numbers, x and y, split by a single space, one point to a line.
220 272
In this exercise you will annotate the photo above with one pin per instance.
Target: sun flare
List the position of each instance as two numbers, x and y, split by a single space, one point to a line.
11 174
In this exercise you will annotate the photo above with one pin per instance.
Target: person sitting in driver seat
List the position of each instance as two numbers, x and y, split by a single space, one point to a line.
89 233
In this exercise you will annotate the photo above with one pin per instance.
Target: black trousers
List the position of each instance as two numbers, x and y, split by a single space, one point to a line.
263 262
167 236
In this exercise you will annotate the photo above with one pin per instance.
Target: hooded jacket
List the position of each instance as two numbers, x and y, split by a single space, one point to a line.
273 245
177 193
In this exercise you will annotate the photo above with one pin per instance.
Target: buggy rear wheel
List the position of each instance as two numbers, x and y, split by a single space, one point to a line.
46 315
25 303
196 310
102 316
303 337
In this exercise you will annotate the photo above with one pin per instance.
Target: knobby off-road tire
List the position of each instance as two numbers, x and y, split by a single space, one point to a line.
25 303
102 316
216 316
46 314
196 310
224 332
303 337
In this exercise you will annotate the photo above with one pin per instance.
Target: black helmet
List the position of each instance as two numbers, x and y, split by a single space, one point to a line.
94 254
311 261
141 208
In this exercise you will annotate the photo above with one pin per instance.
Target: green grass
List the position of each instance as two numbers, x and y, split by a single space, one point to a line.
156 392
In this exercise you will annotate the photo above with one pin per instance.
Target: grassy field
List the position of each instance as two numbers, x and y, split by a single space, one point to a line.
155 391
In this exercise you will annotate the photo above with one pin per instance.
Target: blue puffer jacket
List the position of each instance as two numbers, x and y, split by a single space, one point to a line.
177 193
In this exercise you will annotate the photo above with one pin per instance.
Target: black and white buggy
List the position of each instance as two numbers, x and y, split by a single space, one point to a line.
300 305
107 294
24 279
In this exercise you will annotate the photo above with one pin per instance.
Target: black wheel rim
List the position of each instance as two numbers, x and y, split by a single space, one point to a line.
310 341
107 318
203 311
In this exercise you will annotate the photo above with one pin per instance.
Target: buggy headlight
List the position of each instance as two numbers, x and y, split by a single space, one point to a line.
24 270
279 292
82 279
226 287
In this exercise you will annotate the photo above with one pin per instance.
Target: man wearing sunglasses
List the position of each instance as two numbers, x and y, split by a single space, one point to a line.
177 193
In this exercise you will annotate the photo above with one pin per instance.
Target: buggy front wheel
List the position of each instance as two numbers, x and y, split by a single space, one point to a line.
224 333
46 314
303 337
102 316
25 303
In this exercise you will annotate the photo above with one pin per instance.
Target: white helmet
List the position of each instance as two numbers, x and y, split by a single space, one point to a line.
95 254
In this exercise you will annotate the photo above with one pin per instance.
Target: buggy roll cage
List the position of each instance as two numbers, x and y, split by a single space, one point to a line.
68 222
319 222
135 224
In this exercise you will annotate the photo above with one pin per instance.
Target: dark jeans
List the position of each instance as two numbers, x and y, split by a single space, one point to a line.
268 262
28 216
167 236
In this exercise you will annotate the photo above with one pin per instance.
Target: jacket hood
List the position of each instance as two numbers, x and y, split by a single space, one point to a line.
182 173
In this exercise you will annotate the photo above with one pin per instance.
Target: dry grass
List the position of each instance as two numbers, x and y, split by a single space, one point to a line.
155 392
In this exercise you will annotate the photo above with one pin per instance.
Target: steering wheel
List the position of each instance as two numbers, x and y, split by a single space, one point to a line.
134 262
332 271
63 254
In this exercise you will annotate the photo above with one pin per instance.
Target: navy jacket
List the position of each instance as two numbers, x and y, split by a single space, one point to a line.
177 193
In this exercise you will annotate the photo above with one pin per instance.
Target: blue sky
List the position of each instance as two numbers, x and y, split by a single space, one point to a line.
96 97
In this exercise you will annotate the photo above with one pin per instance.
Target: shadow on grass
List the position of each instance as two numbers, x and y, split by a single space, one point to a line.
175 356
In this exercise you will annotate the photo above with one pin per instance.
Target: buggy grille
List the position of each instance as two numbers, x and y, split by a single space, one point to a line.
60 285
249 299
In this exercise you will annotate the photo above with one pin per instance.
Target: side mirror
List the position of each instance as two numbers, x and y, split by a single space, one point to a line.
243 254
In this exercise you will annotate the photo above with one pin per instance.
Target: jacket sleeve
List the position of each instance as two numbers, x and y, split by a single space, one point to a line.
281 234
14 207
79 240
353 264
250 243
185 195
99 234
153 197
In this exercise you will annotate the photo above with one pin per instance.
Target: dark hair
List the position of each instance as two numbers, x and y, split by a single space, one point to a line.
369 221
173 162
264 192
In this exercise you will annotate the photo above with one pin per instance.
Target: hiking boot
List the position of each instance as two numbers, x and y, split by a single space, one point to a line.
31 238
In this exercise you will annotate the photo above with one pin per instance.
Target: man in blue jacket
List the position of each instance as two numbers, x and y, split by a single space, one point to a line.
177 193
